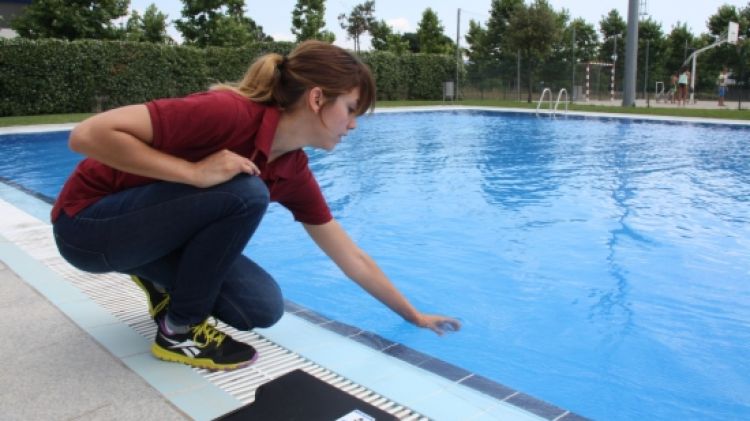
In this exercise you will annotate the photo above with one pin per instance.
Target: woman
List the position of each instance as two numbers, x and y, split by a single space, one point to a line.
682 84
172 190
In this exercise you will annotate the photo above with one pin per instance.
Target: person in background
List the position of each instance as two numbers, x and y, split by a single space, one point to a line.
723 76
673 92
682 85
172 190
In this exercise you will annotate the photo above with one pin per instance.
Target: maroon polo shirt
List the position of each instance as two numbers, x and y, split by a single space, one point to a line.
194 127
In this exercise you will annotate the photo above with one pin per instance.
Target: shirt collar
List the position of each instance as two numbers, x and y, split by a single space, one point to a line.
284 166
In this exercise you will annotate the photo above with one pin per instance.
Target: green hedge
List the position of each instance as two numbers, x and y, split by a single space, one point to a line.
54 76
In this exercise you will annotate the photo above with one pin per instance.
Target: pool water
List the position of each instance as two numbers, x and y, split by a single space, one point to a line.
602 265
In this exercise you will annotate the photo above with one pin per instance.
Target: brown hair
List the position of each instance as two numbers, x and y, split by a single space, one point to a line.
276 80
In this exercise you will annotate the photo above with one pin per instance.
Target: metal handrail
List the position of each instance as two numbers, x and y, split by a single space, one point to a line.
559 95
539 104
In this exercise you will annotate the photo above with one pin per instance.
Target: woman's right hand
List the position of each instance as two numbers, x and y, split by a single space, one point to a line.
221 166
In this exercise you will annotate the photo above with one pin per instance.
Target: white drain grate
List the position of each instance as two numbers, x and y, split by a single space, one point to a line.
125 301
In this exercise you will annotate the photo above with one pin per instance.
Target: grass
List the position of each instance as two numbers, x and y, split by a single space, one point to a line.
43 119
730 113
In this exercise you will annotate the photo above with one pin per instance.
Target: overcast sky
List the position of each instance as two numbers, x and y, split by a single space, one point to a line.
275 16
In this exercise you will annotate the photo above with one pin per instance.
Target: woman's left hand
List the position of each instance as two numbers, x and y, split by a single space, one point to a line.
438 324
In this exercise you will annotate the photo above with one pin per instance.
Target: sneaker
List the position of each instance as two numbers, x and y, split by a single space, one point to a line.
203 346
157 301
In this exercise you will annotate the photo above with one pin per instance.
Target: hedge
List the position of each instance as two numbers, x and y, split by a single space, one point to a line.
55 76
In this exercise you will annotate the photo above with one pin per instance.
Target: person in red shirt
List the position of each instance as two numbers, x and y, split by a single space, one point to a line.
171 191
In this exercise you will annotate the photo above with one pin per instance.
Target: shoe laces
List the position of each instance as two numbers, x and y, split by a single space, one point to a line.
162 305
209 333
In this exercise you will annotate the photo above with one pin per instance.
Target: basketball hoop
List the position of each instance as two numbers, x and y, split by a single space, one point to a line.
733 32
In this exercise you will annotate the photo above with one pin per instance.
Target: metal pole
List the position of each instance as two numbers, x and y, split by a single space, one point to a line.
458 50
631 55
573 63
692 81
518 74
645 77
740 82
614 66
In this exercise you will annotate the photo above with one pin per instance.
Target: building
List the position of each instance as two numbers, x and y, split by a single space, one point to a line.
9 10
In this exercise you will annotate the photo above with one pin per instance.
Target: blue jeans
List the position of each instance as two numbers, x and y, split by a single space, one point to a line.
185 239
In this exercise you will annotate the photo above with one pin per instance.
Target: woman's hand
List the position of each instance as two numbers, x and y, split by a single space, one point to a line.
221 166
438 324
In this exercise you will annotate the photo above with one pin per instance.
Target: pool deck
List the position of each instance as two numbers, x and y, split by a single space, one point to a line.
79 348
74 354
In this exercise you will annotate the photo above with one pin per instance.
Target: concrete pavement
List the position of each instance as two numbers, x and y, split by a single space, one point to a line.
53 370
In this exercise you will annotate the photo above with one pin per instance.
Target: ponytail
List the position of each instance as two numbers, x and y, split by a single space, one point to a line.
281 81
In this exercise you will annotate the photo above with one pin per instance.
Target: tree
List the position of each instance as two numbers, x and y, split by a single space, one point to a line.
379 33
308 20
500 14
650 35
152 27
585 42
218 23
432 39
678 45
358 22
729 55
719 22
70 19
501 59
478 71
412 40
533 30
614 33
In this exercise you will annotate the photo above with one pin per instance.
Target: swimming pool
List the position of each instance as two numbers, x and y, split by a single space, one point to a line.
598 264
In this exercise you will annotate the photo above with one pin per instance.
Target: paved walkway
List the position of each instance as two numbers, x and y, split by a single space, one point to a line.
698 105
56 371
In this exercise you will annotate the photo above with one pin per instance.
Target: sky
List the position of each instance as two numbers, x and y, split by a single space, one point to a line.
404 15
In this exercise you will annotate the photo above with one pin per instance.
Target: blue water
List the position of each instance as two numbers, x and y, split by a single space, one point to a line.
600 265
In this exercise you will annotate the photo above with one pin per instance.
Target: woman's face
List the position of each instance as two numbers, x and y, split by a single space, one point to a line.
338 116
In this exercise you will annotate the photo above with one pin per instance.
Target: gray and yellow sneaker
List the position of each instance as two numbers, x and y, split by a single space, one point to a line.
158 301
203 346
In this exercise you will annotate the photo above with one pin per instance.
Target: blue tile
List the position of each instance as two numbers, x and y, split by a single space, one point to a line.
506 412
445 406
488 387
532 404
166 377
373 341
406 385
120 340
38 276
407 354
205 403
87 314
298 334
572 417
292 307
342 329
447 370
312 317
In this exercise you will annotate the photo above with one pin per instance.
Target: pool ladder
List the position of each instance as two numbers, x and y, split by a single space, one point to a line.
557 103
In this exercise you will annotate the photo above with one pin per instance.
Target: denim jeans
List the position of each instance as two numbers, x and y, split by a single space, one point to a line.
186 239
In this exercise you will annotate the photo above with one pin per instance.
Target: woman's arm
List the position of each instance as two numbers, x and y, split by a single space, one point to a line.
361 268
121 138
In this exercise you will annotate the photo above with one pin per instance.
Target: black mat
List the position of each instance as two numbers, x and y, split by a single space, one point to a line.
298 396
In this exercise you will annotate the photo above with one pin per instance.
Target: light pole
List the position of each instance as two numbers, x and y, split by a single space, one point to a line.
614 65
631 56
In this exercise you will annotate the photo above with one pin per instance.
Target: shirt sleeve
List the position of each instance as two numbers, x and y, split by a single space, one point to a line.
203 121
305 199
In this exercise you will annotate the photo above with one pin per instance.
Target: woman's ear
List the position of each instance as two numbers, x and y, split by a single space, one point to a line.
315 99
